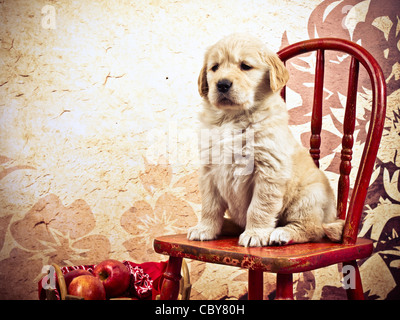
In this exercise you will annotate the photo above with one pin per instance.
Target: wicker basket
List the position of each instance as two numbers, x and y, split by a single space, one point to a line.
184 289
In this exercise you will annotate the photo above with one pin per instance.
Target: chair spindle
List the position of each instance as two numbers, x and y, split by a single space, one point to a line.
316 120
348 139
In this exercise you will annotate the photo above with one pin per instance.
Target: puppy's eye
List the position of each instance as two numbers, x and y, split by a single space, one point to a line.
245 66
215 67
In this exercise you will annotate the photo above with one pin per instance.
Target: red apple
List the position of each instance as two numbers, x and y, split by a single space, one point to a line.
68 277
114 275
87 287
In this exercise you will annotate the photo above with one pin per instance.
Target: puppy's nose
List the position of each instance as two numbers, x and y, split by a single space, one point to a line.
224 85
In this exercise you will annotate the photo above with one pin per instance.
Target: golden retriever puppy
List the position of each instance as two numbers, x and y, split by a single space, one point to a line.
252 168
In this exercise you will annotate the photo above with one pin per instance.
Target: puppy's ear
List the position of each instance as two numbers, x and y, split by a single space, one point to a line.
278 74
202 82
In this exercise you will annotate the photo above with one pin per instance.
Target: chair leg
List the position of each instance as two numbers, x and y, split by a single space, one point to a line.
256 284
355 290
172 276
284 286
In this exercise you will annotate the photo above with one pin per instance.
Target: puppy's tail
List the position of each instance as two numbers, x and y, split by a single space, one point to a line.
334 230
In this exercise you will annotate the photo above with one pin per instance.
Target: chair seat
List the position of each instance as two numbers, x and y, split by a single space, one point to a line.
277 259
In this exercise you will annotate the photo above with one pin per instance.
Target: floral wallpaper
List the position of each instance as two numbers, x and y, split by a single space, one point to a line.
98 140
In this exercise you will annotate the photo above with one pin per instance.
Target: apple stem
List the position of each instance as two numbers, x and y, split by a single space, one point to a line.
103 275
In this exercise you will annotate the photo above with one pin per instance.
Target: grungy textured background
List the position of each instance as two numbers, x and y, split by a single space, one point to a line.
98 140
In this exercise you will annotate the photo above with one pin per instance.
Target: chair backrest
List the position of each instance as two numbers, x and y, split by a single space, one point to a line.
358 55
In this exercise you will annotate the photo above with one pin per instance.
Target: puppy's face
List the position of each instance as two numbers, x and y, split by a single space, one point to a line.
239 72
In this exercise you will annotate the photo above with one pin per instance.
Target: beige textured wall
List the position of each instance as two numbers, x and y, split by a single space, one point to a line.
98 141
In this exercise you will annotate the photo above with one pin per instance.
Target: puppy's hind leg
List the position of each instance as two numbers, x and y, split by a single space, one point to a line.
306 228
334 230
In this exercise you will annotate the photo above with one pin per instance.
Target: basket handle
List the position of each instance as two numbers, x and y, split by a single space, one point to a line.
61 281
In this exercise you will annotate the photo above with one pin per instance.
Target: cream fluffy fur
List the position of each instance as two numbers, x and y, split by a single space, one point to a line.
275 194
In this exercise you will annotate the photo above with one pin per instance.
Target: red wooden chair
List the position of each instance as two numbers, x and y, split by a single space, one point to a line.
289 259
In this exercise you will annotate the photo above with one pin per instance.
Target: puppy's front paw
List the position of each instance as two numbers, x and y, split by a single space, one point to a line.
255 237
201 232
280 236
